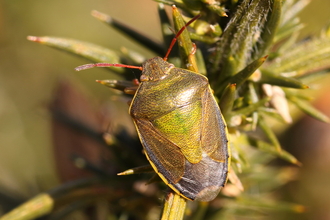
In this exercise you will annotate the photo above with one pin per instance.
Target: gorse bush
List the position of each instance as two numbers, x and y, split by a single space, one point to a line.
256 67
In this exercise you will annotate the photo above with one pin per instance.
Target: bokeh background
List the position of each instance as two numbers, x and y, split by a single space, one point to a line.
29 73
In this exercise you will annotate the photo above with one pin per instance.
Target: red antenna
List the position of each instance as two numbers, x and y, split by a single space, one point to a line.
92 65
178 34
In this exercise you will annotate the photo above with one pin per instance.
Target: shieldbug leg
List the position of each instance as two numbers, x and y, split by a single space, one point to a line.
137 170
130 90
128 87
154 179
194 49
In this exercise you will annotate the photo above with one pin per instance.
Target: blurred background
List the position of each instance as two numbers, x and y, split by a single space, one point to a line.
29 75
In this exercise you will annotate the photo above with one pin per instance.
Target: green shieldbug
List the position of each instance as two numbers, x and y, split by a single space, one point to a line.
180 126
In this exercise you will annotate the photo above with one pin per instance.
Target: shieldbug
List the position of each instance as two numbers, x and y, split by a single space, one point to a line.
180 126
